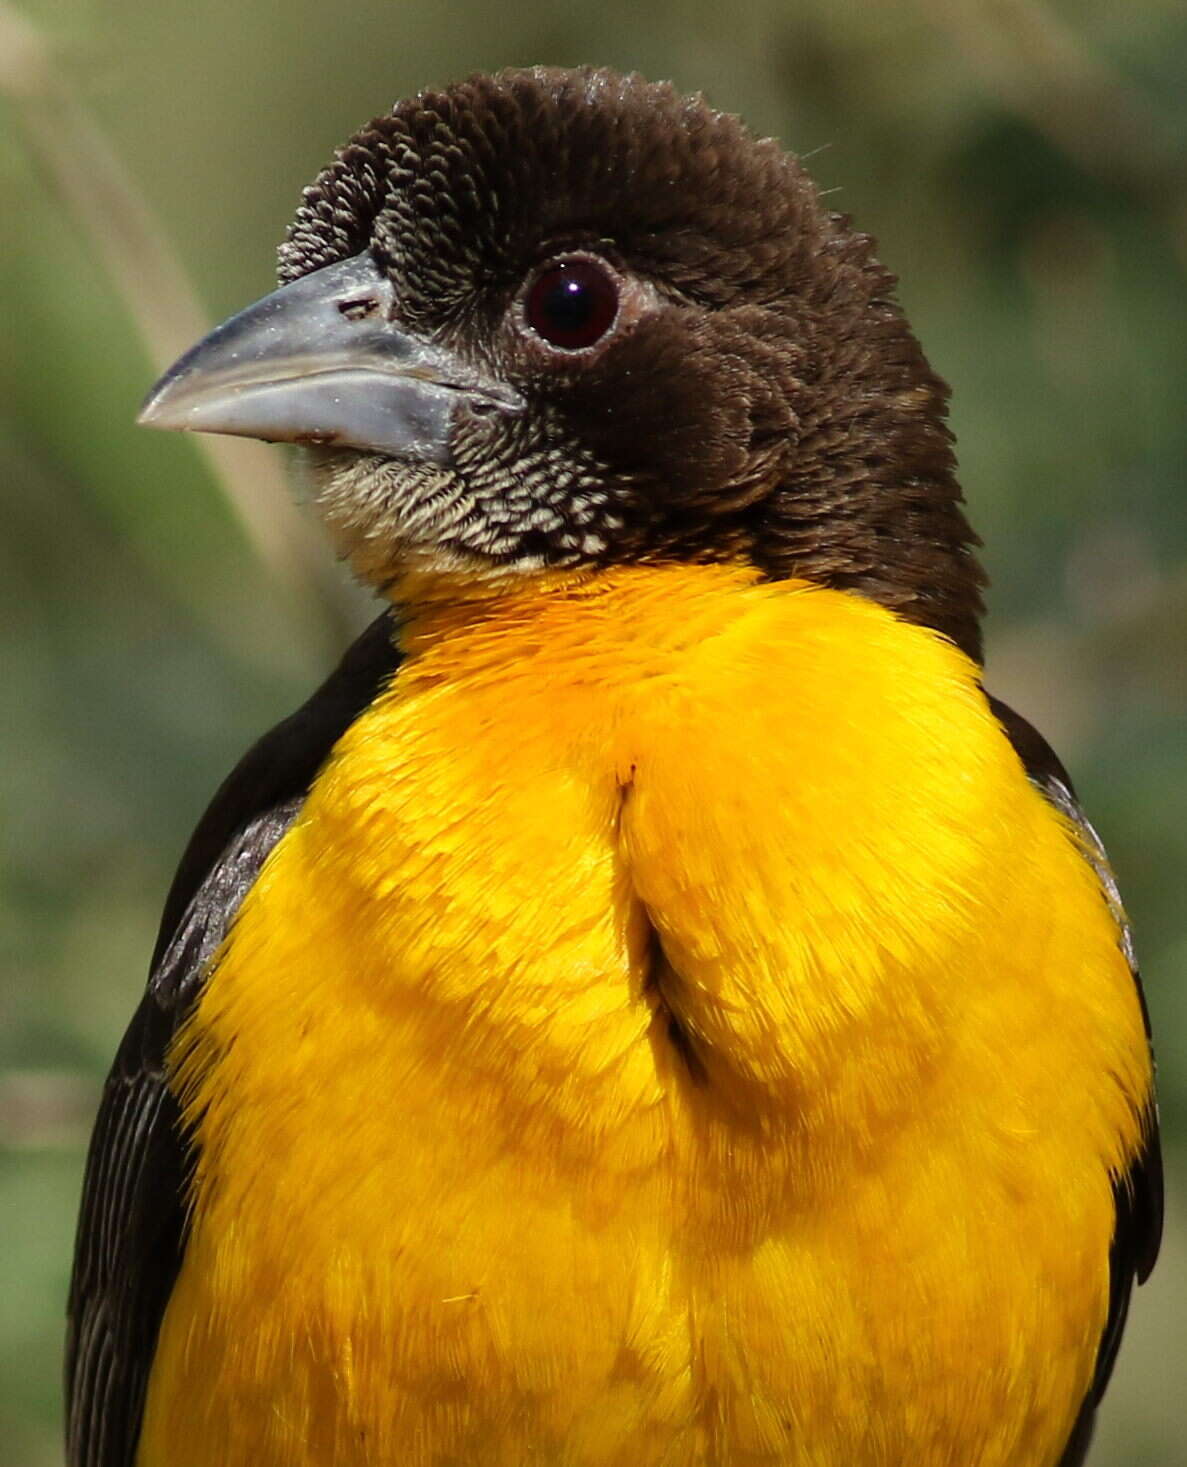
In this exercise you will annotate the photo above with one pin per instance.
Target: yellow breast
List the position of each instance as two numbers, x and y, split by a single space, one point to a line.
674 1032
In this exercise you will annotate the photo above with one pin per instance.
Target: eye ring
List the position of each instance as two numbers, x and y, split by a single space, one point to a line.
572 302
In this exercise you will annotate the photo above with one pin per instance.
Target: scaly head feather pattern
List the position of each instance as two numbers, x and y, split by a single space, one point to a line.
752 393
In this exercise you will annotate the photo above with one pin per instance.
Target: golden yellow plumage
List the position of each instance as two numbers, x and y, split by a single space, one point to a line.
665 1036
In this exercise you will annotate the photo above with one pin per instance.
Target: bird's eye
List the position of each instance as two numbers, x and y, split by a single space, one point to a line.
572 304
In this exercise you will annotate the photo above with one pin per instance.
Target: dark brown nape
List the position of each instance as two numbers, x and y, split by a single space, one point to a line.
870 500
782 411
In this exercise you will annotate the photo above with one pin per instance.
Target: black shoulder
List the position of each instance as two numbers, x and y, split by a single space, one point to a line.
131 1230
282 763
1138 1195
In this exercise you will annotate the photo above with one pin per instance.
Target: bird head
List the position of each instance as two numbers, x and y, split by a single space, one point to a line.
564 320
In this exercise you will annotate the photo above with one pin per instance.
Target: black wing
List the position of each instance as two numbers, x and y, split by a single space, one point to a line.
1137 1232
131 1229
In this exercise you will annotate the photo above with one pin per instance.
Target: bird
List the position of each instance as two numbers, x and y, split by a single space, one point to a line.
652 1005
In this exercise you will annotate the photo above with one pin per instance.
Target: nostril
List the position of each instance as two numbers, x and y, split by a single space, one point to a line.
494 403
358 308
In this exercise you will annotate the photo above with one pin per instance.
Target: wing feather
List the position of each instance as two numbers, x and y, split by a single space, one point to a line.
132 1223
1138 1193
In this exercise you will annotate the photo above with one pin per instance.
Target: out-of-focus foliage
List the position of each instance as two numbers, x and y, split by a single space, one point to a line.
1024 166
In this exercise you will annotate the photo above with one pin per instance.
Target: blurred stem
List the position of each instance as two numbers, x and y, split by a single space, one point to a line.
1041 68
93 184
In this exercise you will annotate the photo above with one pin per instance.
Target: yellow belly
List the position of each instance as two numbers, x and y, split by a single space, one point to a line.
673 1033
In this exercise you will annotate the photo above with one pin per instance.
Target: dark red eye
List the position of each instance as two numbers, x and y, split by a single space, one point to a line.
572 304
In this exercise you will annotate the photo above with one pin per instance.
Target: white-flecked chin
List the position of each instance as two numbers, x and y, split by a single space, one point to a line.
384 514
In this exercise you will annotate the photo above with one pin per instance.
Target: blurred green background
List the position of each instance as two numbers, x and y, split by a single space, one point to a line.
1024 167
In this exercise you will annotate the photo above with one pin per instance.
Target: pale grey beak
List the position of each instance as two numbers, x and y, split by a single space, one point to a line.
320 361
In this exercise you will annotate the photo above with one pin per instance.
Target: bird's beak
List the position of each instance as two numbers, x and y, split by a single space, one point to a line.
320 361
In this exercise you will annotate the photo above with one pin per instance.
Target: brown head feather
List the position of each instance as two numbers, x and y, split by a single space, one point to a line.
768 402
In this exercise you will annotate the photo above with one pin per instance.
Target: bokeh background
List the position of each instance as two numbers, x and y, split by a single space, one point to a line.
1024 165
